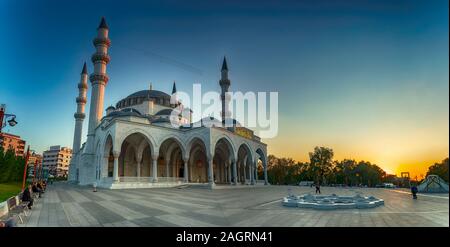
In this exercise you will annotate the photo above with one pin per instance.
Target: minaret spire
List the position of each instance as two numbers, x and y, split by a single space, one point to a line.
103 24
174 99
98 79
224 64
174 88
79 118
84 70
79 115
225 85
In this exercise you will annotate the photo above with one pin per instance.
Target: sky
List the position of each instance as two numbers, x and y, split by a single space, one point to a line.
368 79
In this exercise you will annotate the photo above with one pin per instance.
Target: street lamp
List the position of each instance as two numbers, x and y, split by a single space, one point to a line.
4 116
25 169
12 122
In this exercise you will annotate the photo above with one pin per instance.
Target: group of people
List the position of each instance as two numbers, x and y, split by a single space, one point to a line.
35 187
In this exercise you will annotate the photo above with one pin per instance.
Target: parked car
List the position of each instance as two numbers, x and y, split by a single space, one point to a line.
389 185
306 183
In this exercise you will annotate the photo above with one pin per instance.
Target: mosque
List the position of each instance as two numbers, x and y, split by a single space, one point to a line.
134 145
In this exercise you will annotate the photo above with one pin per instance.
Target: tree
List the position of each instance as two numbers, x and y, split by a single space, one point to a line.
440 169
321 163
344 171
11 167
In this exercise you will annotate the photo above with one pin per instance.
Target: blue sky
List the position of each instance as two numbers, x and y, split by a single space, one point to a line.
367 78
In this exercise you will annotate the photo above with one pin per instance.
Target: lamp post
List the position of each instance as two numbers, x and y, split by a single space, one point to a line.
4 116
24 179
36 165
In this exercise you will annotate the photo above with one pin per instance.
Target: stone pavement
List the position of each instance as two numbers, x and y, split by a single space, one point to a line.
69 205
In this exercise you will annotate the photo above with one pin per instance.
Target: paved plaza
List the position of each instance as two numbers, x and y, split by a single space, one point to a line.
69 205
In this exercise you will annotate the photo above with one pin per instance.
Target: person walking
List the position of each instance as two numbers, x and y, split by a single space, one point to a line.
317 188
414 191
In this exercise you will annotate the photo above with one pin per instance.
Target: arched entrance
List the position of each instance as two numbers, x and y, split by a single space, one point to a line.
198 162
108 165
261 169
170 160
135 158
222 162
244 163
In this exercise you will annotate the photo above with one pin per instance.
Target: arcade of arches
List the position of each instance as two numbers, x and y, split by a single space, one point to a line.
172 162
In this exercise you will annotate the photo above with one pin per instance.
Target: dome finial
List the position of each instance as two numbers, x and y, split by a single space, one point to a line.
151 86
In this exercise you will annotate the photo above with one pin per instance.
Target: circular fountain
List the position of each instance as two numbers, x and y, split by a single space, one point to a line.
332 201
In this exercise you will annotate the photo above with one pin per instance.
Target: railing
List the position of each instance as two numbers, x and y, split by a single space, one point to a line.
150 180
170 180
135 179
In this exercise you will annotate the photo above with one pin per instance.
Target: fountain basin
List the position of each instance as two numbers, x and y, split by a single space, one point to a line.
331 202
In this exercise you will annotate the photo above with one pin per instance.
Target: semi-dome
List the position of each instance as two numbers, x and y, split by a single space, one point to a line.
165 112
158 97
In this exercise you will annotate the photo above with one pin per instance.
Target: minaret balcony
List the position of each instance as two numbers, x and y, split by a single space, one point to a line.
103 57
78 115
98 78
82 86
224 82
102 41
81 100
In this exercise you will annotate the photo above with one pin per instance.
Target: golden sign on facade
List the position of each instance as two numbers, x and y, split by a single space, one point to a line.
244 132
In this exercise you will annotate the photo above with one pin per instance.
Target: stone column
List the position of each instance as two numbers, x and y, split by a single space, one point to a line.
235 173
190 166
256 172
167 161
266 182
155 168
139 162
138 169
186 170
252 173
116 155
226 173
245 171
229 173
105 166
210 171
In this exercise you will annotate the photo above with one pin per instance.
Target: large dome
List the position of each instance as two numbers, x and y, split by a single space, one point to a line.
148 93
138 97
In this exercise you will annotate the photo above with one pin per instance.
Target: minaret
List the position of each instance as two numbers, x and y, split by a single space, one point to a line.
79 115
98 79
173 98
174 88
225 84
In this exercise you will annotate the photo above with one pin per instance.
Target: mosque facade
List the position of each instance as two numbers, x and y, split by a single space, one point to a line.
135 145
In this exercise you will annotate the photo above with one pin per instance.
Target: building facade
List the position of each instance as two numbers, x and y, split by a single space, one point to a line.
57 160
32 161
9 141
136 145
